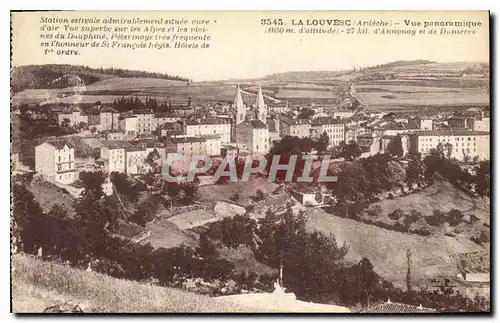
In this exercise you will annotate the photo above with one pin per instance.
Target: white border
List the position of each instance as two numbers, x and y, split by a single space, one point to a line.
492 5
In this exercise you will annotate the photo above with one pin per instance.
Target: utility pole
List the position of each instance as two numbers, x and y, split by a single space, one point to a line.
408 273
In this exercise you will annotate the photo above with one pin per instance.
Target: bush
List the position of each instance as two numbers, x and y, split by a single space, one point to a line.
390 196
259 195
396 214
374 210
421 231
356 208
455 217
436 219
235 197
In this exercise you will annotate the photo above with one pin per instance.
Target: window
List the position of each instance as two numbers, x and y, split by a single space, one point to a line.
59 158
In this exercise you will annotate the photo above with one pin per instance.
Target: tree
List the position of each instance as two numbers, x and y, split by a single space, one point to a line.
65 123
351 151
395 147
483 178
408 272
414 172
259 195
352 182
93 129
323 142
448 147
306 113
367 278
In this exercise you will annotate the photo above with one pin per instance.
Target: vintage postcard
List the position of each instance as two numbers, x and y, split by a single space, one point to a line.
250 161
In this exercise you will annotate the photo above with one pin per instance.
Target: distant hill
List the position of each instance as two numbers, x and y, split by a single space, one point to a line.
55 76
399 63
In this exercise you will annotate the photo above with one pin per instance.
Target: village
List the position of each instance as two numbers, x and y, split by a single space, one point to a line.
129 140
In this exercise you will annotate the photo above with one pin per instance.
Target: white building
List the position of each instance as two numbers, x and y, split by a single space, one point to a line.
207 127
334 128
113 156
109 119
55 160
144 121
129 124
74 117
460 143
162 118
294 127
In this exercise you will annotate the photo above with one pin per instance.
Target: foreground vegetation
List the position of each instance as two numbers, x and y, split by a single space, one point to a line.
38 284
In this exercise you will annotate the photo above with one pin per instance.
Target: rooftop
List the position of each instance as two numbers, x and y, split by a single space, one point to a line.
325 120
181 140
390 307
451 132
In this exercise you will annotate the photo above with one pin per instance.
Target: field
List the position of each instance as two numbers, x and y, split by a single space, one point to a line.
37 284
387 249
430 85
245 190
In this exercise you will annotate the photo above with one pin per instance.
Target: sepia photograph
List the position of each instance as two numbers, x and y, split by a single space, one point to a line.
250 162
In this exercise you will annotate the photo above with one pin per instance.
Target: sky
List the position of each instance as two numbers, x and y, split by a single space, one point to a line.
241 49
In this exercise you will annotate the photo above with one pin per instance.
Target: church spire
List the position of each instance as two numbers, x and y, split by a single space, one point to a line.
240 108
261 106
238 101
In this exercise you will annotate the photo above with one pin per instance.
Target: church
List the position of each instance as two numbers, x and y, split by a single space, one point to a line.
252 132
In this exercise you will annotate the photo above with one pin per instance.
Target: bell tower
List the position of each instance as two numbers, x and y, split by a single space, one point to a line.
261 106
241 111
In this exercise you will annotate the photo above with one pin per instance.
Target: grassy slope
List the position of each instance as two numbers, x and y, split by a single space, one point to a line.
37 284
387 249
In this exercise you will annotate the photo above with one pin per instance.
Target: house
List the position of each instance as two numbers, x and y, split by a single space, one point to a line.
109 119
209 126
334 128
162 118
308 195
128 123
342 114
144 121
213 145
55 160
459 144
294 127
253 135
420 123
170 129
369 143
114 134
113 156
74 116
93 117
135 157
188 146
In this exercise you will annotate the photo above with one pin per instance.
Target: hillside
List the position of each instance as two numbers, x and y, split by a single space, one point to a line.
38 284
55 76
431 256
